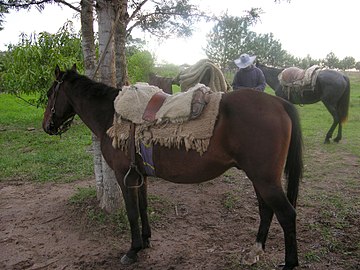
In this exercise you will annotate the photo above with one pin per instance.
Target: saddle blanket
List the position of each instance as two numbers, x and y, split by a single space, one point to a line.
193 135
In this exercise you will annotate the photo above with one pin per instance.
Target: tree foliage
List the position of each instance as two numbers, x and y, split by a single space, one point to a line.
228 37
28 66
140 64
163 18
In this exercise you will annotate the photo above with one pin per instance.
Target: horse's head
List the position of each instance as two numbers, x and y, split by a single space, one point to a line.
59 113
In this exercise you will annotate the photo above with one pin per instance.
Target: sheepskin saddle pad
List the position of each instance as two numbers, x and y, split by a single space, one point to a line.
298 78
173 125
142 103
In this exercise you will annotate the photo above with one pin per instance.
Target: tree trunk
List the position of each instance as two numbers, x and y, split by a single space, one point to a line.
120 44
108 189
88 47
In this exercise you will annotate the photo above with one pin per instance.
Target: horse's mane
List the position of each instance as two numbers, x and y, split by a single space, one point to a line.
89 87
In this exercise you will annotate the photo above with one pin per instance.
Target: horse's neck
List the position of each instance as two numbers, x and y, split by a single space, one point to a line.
96 112
272 80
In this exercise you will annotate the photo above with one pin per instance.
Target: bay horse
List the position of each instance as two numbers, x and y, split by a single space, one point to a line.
255 132
332 88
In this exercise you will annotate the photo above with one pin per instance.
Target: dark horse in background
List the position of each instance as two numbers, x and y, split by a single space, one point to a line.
254 132
332 88
164 83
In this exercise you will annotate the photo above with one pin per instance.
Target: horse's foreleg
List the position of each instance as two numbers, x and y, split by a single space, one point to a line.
143 204
275 198
132 208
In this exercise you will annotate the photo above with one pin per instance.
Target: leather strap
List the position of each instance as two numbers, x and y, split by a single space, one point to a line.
153 106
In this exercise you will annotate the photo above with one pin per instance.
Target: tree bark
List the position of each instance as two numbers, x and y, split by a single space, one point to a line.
120 44
107 187
88 47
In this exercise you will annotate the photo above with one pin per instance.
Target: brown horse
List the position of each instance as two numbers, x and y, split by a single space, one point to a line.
255 132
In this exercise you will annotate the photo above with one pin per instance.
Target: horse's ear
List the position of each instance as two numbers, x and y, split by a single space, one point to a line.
74 67
57 71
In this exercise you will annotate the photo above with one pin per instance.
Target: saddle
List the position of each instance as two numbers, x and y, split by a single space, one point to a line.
299 78
145 104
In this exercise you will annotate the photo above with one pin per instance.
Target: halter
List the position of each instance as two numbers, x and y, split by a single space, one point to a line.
67 123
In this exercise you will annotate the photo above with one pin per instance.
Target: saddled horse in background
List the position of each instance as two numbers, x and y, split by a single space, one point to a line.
332 88
254 132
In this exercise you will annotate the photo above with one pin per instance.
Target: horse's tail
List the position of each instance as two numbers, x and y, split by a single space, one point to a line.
343 105
294 161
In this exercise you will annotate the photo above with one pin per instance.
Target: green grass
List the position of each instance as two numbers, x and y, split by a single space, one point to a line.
28 153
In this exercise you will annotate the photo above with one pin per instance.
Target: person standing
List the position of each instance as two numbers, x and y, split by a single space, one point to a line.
248 75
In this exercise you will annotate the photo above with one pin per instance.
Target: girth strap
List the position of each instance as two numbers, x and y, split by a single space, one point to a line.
133 167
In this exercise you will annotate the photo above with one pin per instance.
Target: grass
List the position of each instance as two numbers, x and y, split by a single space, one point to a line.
28 153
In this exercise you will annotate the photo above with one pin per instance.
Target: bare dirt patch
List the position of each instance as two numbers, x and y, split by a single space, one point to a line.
206 226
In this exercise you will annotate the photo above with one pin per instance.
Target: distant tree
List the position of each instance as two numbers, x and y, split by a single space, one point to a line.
331 60
267 49
140 64
308 62
167 70
357 65
227 38
347 63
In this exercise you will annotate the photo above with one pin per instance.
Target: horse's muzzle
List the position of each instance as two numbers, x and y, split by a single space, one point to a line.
49 128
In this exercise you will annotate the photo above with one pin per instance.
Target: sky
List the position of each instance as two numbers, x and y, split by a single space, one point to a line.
303 27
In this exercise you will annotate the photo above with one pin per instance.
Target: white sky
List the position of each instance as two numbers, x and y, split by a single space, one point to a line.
314 27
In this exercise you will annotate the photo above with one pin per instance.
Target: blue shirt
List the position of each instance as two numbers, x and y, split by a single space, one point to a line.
250 77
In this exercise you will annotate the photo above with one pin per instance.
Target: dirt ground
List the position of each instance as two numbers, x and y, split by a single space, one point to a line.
207 226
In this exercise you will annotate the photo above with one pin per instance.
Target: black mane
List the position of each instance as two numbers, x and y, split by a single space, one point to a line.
89 87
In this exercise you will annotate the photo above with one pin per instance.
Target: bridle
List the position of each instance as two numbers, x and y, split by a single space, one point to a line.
67 123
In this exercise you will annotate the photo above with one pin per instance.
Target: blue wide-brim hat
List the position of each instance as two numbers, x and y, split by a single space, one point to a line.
245 60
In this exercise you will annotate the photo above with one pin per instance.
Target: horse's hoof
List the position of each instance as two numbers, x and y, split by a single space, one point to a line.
327 141
147 243
337 140
253 256
284 267
126 260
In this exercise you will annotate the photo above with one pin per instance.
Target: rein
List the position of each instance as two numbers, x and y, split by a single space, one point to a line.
67 123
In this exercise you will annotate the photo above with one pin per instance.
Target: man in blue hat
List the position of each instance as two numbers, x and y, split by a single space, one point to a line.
248 76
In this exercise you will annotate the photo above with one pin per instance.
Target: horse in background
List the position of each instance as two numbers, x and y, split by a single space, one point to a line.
164 83
331 87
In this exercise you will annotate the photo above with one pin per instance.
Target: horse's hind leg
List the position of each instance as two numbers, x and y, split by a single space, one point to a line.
143 204
336 121
339 134
274 197
266 216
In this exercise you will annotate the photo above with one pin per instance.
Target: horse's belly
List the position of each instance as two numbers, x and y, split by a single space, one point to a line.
189 167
